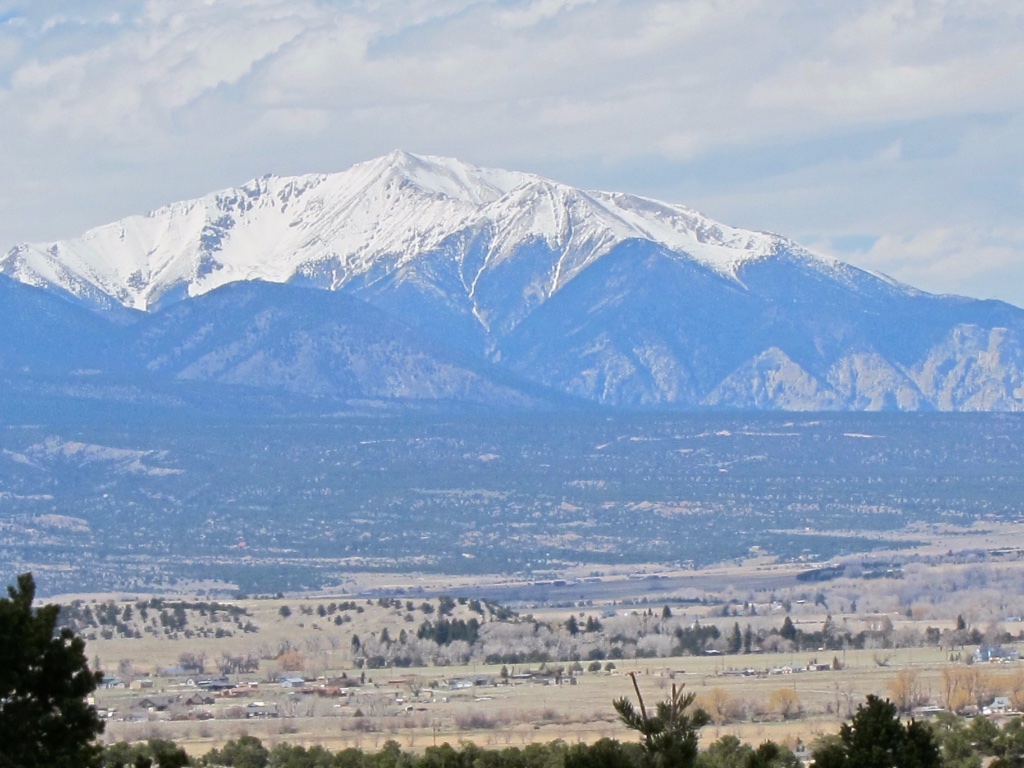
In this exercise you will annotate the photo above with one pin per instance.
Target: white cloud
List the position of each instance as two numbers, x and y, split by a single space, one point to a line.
135 80
530 14
981 262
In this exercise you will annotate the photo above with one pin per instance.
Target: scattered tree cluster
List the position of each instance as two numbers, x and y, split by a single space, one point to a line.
157 617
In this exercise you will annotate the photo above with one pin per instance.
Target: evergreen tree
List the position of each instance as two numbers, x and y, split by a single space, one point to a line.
45 721
605 753
788 630
730 752
156 753
875 738
243 752
772 755
669 736
735 639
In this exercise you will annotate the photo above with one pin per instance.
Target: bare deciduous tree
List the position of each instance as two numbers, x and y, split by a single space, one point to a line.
905 690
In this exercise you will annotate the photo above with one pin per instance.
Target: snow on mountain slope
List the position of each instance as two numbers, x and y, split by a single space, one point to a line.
612 298
364 225
267 229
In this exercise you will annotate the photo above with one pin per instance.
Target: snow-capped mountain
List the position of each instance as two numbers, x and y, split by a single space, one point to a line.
608 297
379 219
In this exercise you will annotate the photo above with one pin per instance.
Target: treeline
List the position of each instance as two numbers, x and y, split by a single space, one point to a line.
445 632
874 737
443 639
249 752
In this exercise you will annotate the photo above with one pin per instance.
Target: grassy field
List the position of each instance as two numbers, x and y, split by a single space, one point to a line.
517 714
418 706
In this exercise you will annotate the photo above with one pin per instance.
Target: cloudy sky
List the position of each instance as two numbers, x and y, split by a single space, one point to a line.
889 133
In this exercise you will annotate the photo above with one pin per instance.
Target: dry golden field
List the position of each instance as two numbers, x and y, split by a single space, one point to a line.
419 706
517 714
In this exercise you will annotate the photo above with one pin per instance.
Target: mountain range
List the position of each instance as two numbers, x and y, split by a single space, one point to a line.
413 279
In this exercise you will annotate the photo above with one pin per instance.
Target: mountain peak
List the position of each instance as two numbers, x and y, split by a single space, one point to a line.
374 221
445 176
614 298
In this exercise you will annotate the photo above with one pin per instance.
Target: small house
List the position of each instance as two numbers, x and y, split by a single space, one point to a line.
995 653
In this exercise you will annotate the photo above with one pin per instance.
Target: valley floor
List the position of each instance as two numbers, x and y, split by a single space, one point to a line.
908 603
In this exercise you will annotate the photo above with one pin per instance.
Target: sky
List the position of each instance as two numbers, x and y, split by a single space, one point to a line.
887 133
